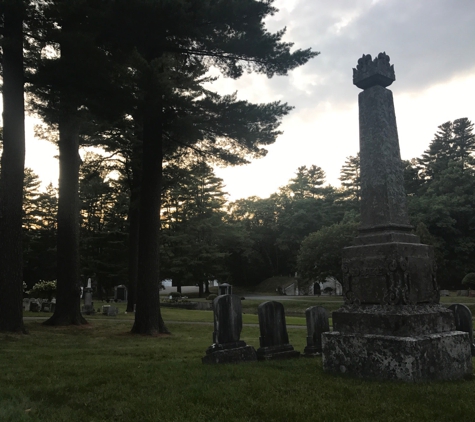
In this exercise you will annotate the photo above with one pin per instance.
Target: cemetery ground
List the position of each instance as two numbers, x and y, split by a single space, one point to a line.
101 372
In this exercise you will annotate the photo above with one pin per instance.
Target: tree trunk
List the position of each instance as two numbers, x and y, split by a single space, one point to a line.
133 252
11 179
68 302
148 319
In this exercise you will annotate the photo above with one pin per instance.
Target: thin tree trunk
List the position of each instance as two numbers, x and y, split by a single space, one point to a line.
148 319
11 179
68 302
133 251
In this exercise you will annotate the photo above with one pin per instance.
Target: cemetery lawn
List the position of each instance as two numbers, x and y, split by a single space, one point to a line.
101 372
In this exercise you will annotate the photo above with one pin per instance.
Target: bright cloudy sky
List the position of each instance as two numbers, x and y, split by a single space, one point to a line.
430 42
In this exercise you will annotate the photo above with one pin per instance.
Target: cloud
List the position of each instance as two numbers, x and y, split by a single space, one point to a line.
429 42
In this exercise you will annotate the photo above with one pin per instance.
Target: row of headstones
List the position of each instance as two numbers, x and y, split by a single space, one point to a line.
38 305
274 342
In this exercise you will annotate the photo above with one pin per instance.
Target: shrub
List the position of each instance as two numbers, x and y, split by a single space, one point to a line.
44 289
175 295
469 280
212 296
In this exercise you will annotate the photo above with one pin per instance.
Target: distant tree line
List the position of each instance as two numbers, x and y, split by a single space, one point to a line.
299 229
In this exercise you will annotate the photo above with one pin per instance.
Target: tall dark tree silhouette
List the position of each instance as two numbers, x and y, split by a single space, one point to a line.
176 44
12 168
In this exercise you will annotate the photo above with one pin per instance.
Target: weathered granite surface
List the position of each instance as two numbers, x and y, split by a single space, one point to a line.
227 346
463 322
441 356
400 321
392 326
274 340
317 323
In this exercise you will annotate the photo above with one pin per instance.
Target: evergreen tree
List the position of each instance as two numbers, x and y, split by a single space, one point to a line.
176 45
194 234
437 157
350 177
464 142
307 182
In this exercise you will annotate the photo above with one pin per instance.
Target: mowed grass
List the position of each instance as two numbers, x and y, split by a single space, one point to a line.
101 372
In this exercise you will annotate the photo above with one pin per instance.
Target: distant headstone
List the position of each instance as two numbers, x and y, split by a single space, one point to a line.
463 322
35 306
317 323
120 293
113 311
274 340
26 304
225 289
88 307
227 346
47 307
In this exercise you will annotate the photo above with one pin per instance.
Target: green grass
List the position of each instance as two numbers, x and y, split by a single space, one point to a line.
101 372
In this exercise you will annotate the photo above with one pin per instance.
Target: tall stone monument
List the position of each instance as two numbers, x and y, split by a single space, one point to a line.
391 325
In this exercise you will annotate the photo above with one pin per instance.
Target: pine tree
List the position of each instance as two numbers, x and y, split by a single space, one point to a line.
350 177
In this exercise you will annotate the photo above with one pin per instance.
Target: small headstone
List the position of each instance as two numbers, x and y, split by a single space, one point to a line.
26 304
113 311
317 323
463 322
47 307
227 346
120 293
225 289
35 306
88 307
274 340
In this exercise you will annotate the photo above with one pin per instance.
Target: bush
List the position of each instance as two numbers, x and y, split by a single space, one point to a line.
212 296
44 290
469 280
175 295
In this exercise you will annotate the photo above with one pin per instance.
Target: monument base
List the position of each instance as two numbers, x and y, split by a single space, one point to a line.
277 352
312 351
237 355
441 356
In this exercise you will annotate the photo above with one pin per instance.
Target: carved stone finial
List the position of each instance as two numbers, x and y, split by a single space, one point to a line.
370 72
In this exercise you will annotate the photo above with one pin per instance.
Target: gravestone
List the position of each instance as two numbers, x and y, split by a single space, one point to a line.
317 324
392 325
463 322
225 289
26 304
274 340
88 307
227 346
120 293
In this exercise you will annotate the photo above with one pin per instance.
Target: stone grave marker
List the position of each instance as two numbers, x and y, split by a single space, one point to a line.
317 324
392 325
88 307
463 322
120 293
274 340
227 346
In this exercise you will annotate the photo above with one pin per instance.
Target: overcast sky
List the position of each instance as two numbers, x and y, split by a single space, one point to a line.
430 42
